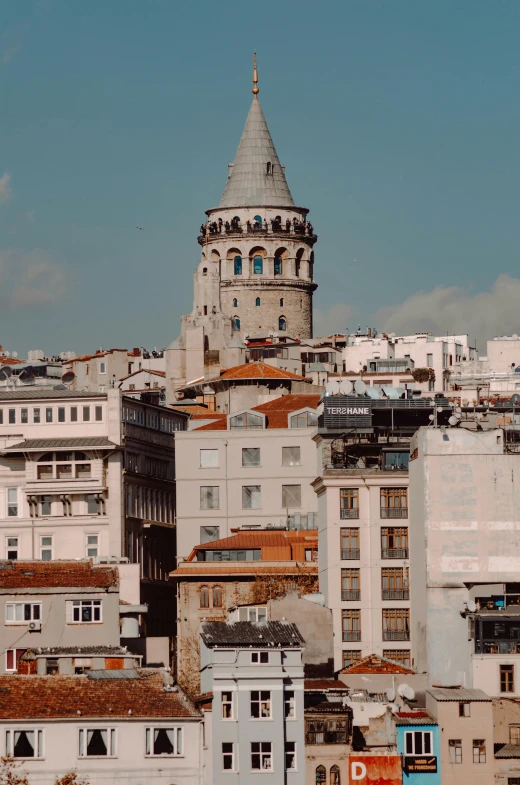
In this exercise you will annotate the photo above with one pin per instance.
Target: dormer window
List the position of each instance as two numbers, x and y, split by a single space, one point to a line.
246 420
269 168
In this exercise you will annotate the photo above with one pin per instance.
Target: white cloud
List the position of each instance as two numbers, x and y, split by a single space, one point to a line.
29 280
454 309
5 189
334 319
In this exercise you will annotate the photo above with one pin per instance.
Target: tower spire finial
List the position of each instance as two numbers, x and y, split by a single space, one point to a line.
255 89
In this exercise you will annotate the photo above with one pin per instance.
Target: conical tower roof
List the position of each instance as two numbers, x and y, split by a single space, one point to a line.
250 183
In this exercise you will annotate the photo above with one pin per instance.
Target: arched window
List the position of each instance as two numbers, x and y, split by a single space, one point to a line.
258 265
204 597
217 596
257 301
236 218
258 220
321 775
282 324
237 322
297 268
269 167
235 302
277 265
238 265
335 778
204 271
281 302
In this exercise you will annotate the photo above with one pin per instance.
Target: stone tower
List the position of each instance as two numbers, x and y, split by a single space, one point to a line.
255 274
261 241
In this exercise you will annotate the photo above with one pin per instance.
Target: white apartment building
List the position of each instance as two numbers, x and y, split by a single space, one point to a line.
104 369
252 468
494 376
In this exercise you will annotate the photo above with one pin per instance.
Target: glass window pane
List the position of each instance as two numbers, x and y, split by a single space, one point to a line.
250 456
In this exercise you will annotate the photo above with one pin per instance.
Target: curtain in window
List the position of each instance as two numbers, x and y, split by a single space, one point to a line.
163 741
24 744
97 741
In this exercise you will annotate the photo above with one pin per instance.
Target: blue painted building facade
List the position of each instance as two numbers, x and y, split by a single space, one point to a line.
418 743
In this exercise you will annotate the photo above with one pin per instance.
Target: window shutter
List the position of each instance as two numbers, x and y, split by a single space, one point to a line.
68 612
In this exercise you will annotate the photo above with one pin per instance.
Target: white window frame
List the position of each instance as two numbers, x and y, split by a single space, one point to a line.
288 493
232 754
91 546
178 748
252 613
292 463
293 753
306 410
102 366
214 455
39 742
232 416
255 497
260 658
289 705
83 742
264 702
15 659
267 752
251 465
411 734
44 547
454 752
228 702
24 621
12 547
15 505
217 505
78 604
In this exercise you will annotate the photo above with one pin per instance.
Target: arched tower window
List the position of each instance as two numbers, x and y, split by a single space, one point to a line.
237 322
235 303
238 265
258 265
204 596
217 596
258 220
297 262
257 301
204 271
277 265
281 302
321 775
282 324
269 168
335 777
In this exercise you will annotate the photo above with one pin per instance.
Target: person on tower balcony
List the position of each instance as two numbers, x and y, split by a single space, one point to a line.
248 224
288 225
227 226
220 225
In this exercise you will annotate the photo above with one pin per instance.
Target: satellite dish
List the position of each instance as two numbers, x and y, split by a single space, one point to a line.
453 421
27 378
431 417
515 399
345 387
439 409
360 386
373 393
68 377
390 694
5 372
15 355
472 606
405 691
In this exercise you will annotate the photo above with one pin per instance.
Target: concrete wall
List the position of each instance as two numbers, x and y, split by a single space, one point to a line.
315 624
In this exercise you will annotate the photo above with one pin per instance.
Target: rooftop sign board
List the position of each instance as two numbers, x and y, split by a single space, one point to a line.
420 763
347 411
375 769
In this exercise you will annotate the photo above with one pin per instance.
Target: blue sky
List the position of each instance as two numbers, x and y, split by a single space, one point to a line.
398 124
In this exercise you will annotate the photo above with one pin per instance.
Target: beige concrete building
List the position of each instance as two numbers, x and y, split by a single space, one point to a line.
106 368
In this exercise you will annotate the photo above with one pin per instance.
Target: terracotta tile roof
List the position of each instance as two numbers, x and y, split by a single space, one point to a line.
262 539
259 371
144 370
375 664
187 569
208 416
10 361
97 355
50 574
277 411
322 685
61 697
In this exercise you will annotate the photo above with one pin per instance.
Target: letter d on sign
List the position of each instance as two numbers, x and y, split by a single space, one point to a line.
358 771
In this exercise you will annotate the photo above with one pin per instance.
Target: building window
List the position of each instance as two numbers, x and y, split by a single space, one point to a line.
45 505
396 624
258 265
455 750
254 615
208 459
46 547
36 415
209 534
251 497
282 324
25 416
394 542
97 742
289 705
246 420
350 657
257 301
335 776
507 678
237 323
164 741
228 756
238 265
350 585
260 705
102 367
261 756
351 625
394 503
291 456
464 709
321 775
349 503
429 360
48 415
402 656
260 657
98 410
235 302
227 705
86 611
93 507
12 658
217 596
304 420
290 755
73 413
514 734
291 496
394 584
12 502
12 416
350 543
269 167
23 612
92 543
12 547
281 302
278 268
24 743
418 742
64 466
250 456
479 750
86 413
204 596
209 497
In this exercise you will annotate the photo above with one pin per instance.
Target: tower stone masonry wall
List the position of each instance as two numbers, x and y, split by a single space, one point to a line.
296 308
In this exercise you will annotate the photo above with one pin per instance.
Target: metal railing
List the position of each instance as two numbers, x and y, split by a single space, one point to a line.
345 513
351 635
394 553
348 554
396 635
326 737
394 512
350 594
395 594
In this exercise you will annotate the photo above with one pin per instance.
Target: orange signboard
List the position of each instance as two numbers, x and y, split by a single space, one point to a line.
375 770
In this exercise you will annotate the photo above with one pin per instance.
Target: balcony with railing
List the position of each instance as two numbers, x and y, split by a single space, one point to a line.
396 635
395 594
303 229
351 635
347 514
394 553
394 512
326 737
350 554
350 595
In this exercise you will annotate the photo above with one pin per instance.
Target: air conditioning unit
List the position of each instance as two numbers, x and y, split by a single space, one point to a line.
35 626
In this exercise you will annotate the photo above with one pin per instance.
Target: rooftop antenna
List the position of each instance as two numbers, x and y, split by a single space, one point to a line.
255 89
